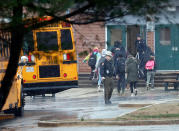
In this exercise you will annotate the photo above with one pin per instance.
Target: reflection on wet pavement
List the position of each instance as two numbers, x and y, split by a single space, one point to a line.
83 103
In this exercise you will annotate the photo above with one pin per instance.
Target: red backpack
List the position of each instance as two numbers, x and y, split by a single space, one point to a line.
150 65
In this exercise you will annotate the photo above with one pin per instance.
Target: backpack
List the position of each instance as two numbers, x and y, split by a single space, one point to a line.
92 60
121 65
149 65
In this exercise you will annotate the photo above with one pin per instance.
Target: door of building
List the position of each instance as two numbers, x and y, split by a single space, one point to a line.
167 47
176 46
116 33
132 32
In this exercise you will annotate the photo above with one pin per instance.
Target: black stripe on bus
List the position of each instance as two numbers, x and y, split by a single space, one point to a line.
69 62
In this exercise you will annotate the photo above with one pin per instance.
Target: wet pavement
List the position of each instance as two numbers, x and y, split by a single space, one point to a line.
115 128
85 103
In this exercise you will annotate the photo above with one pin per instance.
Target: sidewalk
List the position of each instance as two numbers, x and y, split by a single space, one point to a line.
88 105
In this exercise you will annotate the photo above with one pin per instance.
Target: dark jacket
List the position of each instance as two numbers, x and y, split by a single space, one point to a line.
117 44
132 69
145 57
107 68
117 50
140 46
148 52
120 65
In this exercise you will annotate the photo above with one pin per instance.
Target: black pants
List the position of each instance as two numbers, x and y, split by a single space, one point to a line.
121 82
133 86
108 88
92 72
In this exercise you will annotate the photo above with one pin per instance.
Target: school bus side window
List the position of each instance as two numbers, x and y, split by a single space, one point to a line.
66 40
28 44
47 41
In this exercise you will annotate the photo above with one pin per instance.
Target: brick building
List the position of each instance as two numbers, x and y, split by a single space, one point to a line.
103 35
161 36
88 36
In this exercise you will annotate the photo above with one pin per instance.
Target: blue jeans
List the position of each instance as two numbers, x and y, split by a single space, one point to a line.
99 77
150 78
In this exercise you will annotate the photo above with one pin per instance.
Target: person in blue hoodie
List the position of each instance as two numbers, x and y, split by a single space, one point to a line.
98 63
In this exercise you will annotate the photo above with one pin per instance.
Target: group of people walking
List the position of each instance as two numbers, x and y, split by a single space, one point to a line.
124 67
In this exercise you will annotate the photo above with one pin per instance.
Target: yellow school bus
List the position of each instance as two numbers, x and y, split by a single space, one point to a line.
51 59
15 99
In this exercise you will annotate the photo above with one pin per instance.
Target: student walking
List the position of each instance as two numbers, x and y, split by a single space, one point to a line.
118 49
101 60
132 73
120 73
92 59
141 48
107 71
151 68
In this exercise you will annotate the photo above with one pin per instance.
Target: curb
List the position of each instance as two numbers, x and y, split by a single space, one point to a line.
134 105
106 123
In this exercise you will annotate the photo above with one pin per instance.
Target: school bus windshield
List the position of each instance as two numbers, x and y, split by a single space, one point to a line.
47 41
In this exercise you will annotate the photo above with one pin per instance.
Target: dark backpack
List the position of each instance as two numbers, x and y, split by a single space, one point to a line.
120 52
92 60
121 65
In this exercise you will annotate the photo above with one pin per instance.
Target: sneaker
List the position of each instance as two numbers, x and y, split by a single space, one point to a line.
119 93
99 89
108 102
122 94
132 95
148 88
152 88
135 92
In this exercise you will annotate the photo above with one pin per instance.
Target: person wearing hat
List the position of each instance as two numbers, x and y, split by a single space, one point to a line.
150 66
107 71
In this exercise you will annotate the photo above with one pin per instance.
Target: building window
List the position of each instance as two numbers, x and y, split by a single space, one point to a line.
165 36
116 35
